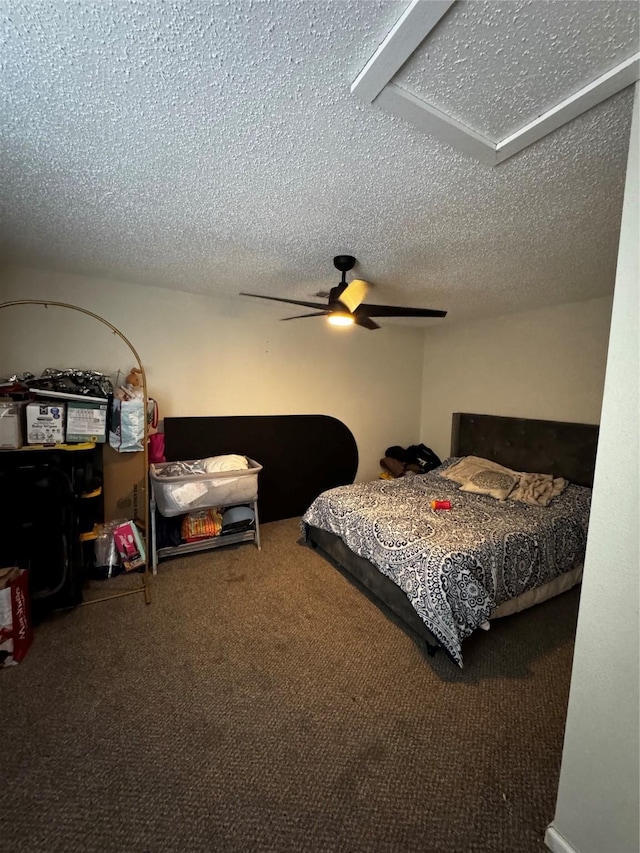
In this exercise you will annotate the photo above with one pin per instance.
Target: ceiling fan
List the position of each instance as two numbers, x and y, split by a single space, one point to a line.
345 306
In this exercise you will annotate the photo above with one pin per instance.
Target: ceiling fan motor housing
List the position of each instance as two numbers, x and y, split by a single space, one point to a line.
344 263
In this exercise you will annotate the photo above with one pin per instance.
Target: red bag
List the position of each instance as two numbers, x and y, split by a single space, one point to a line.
16 633
156 439
156 447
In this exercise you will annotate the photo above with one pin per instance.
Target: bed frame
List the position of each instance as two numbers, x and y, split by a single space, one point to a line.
550 447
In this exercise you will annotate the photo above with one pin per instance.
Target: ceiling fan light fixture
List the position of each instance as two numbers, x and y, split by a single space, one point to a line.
340 318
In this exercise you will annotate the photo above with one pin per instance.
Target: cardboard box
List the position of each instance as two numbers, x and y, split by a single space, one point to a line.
11 424
124 484
87 421
45 423
16 632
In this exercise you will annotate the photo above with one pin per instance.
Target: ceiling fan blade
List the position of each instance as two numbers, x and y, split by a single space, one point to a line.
354 293
397 311
366 323
288 301
300 316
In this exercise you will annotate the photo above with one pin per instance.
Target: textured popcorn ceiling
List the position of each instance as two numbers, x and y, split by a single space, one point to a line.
497 65
215 147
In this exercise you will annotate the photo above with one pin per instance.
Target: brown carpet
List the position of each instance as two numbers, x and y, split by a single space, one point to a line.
264 703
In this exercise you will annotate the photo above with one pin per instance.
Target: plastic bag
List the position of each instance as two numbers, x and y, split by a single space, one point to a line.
126 433
182 469
72 380
204 524
107 559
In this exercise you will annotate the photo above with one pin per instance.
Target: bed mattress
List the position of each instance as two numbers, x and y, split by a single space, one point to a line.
455 567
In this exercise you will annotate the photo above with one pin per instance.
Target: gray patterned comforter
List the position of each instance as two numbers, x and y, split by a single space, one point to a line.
455 566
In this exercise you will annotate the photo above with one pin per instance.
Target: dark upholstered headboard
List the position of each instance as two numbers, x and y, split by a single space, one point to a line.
543 447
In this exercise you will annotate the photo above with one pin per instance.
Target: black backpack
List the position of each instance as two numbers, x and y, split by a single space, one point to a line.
417 454
424 457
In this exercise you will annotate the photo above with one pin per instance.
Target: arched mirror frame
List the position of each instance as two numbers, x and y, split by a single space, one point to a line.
145 587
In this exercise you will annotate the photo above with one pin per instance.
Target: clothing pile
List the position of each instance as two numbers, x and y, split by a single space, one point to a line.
418 459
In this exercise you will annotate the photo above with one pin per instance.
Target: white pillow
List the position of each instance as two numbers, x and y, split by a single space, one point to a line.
230 462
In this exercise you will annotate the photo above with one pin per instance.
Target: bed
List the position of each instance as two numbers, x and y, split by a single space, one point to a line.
446 574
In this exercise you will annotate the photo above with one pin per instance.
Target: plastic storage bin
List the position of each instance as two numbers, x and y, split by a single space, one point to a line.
179 495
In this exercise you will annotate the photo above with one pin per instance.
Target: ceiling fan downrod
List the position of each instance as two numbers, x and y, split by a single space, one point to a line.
343 263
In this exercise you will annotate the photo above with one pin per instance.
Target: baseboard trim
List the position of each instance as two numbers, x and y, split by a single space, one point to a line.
556 842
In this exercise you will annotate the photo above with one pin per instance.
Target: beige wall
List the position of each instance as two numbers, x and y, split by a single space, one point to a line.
208 356
231 356
547 364
598 798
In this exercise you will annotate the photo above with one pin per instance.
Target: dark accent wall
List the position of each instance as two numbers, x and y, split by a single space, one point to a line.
301 455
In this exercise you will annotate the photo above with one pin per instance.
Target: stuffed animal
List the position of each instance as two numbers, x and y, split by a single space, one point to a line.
131 388
134 378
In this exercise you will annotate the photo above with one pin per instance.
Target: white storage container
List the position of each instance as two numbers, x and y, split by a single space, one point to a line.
11 424
179 495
